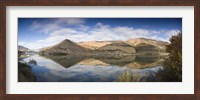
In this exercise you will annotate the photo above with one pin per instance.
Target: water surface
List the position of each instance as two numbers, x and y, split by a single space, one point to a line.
87 69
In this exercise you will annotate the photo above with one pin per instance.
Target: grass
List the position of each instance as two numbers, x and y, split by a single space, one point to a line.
128 77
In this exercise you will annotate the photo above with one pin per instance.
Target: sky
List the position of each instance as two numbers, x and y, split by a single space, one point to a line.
36 33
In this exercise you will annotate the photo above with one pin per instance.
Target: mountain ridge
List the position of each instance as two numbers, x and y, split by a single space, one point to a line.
24 49
130 46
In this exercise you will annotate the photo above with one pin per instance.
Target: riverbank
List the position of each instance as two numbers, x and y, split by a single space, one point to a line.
25 73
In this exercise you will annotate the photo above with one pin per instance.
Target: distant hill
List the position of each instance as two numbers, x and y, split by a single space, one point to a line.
143 41
22 48
45 48
148 46
134 42
24 52
118 46
94 44
108 48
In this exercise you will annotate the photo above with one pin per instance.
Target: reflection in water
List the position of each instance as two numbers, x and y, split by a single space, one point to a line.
66 61
32 61
118 61
95 69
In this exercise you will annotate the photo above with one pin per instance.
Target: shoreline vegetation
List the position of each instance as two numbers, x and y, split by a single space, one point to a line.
25 73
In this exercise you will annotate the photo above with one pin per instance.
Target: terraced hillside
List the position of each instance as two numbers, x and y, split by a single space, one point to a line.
143 44
118 47
93 45
107 48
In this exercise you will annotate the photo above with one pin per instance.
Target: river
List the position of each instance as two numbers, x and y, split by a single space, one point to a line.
84 69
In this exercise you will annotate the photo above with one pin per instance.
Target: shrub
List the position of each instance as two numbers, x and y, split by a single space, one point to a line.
172 70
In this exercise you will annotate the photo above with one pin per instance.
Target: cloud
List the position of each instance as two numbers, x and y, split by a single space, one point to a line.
172 32
98 32
48 26
71 21
21 43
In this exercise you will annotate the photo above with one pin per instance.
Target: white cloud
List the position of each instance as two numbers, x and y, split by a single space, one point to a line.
172 32
21 43
53 25
44 28
69 21
72 21
99 32
83 28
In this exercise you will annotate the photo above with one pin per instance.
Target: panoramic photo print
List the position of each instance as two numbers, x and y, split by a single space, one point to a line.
99 49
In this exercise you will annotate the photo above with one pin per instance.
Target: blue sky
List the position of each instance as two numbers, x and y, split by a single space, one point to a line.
36 33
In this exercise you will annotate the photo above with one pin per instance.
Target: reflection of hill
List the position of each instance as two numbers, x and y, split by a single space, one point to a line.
66 61
132 61
137 65
146 62
119 47
142 60
118 61
92 61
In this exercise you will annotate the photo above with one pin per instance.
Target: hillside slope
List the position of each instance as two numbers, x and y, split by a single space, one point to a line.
107 48
22 49
118 47
143 41
94 44
64 47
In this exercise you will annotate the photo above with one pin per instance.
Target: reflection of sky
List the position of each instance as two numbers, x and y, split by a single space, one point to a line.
45 62
48 70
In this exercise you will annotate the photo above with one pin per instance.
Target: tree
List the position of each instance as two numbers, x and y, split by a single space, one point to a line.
172 70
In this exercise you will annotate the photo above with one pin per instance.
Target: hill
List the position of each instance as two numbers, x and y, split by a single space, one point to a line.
64 47
107 48
45 48
118 47
94 44
22 49
138 41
